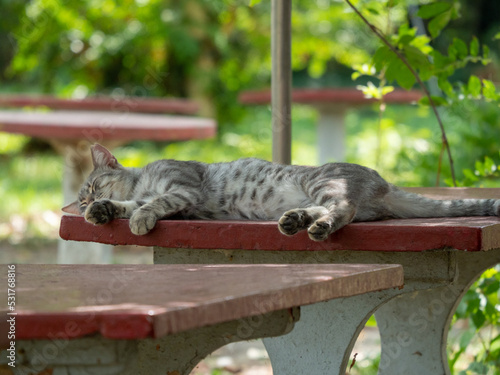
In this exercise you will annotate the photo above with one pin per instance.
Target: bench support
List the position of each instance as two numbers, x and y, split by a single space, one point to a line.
176 354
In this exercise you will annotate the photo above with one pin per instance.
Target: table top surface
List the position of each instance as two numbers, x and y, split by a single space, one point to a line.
105 125
461 233
350 96
138 301
105 103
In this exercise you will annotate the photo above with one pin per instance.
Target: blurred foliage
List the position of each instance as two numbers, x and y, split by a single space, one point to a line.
479 309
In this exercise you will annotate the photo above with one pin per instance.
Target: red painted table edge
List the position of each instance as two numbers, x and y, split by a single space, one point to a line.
468 234
129 103
125 326
200 129
330 96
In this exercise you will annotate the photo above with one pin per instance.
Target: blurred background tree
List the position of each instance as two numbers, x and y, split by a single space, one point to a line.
212 50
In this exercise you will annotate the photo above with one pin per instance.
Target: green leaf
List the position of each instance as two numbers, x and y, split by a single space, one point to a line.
474 47
437 100
460 47
474 86
433 9
440 60
419 59
470 175
477 368
405 34
486 51
381 56
466 338
489 90
439 23
490 312
406 39
399 72
254 2
446 86
489 165
497 36
416 57
478 318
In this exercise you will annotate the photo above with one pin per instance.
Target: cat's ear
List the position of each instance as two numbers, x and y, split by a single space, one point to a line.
72 208
101 157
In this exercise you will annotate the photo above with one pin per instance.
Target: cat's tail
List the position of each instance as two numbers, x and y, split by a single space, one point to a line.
403 204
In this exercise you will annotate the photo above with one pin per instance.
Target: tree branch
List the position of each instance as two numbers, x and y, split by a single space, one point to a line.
444 139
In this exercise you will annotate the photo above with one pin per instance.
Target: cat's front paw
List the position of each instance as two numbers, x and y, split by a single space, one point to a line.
320 230
294 221
100 212
142 222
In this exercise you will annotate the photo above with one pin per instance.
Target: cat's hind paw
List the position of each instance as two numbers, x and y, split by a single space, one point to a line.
320 230
142 222
294 221
100 212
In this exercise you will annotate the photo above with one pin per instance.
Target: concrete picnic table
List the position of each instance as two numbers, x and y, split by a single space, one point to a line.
161 319
441 258
332 105
71 132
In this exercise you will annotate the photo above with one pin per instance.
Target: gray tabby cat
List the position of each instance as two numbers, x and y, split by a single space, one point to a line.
317 199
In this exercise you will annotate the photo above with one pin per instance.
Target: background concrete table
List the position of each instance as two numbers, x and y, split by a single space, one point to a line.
332 105
72 132
164 319
105 103
441 257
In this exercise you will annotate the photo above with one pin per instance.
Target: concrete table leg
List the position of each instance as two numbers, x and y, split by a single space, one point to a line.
179 354
414 327
77 166
331 134
175 354
322 340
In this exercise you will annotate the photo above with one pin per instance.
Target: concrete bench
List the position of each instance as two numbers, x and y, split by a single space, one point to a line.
332 105
161 319
74 125
441 258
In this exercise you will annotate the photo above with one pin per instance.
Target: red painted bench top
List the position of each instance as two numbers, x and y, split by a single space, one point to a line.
139 301
465 233
98 126
350 96
104 103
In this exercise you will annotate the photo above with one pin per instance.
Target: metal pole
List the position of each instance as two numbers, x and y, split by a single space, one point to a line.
281 80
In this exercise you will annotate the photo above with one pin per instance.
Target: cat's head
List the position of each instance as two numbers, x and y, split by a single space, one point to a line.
103 182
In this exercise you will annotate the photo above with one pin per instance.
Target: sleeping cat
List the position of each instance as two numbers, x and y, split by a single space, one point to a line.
317 199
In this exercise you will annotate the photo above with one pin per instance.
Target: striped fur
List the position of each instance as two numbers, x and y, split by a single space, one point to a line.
317 199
